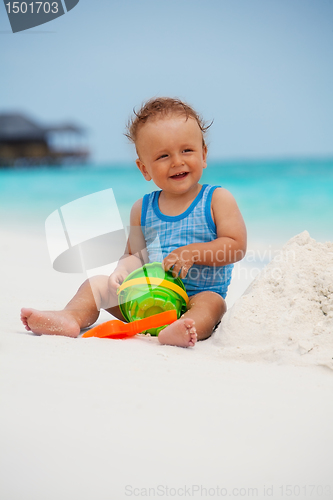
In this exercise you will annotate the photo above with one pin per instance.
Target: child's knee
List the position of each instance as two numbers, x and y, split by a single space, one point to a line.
100 289
99 286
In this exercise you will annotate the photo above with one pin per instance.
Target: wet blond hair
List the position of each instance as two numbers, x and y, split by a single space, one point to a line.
159 107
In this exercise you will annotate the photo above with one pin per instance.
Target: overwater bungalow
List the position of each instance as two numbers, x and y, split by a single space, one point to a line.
24 142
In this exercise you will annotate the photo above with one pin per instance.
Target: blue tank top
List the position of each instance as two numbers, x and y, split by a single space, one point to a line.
165 233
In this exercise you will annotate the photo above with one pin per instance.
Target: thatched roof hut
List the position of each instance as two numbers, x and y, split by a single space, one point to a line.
25 142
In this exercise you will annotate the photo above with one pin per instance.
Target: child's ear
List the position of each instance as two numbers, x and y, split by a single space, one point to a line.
143 169
204 155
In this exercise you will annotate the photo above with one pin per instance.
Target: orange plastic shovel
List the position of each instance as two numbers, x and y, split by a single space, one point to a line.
116 329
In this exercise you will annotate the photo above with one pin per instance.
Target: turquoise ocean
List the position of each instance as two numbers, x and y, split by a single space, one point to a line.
278 199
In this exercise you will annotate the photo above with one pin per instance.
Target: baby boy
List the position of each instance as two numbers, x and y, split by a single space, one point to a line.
200 229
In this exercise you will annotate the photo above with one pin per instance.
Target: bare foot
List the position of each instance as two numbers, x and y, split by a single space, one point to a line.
50 322
181 333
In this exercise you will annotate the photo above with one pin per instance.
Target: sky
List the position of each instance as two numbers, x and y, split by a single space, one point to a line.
261 69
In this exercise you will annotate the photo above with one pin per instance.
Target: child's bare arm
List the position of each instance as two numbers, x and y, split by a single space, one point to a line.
135 252
227 248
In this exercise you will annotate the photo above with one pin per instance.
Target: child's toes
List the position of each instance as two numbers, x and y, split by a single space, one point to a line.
192 341
188 322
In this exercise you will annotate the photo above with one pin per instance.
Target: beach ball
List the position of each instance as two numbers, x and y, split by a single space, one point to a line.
151 290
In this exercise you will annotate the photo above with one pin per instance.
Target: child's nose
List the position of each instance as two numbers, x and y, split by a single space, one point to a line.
177 161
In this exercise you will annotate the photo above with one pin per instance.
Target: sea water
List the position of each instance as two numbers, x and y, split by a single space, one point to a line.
278 199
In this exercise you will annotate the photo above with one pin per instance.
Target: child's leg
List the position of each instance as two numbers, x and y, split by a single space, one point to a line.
205 310
80 312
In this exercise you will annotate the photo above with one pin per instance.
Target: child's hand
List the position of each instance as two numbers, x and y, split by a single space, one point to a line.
116 279
182 259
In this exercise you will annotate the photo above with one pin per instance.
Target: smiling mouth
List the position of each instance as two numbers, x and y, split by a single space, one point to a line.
181 175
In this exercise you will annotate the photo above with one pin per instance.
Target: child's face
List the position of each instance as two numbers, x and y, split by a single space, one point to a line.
171 153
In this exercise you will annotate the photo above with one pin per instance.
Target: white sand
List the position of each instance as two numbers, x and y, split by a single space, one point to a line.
82 419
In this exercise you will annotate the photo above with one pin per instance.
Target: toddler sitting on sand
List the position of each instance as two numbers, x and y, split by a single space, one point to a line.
200 229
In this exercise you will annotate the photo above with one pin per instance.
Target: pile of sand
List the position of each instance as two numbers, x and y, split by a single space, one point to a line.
286 315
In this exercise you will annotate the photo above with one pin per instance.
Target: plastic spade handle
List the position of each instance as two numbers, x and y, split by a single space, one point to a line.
161 319
115 329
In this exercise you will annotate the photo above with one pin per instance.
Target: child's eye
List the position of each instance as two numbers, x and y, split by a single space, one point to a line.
162 156
187 150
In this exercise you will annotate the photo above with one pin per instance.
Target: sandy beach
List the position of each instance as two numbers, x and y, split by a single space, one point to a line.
247 413
104 419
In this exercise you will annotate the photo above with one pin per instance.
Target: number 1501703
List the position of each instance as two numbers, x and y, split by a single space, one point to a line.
32 7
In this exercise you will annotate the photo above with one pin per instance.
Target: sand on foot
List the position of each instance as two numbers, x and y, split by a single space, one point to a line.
50 322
